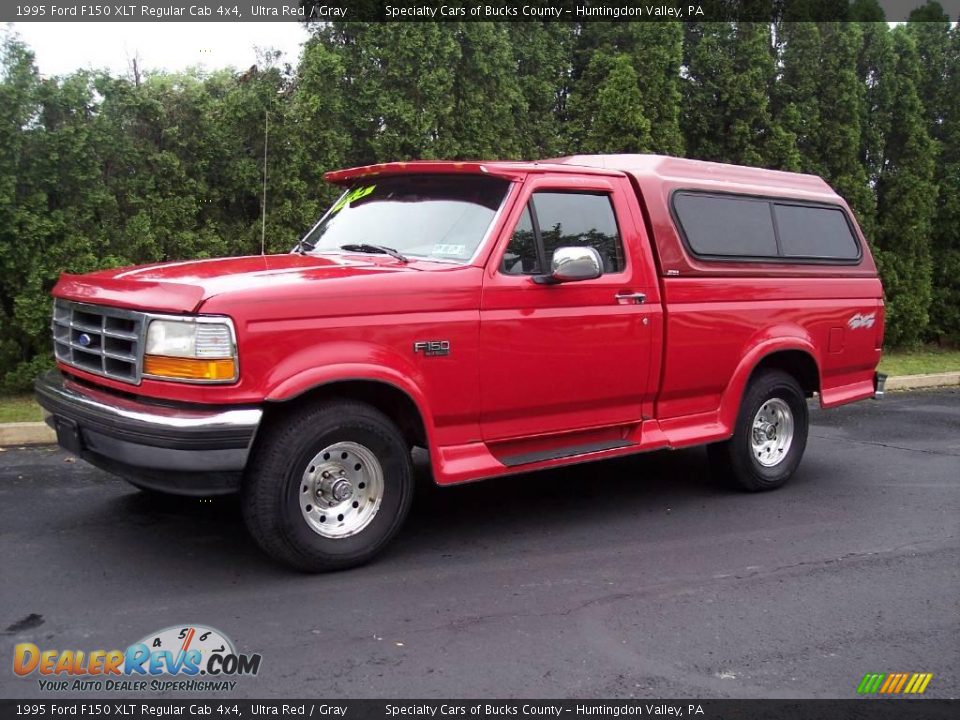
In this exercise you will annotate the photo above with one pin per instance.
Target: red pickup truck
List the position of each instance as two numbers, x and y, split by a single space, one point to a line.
506 316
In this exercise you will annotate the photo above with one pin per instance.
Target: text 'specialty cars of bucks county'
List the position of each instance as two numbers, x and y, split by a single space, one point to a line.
506 316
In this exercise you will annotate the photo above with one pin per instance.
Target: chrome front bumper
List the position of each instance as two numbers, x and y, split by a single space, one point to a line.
184 449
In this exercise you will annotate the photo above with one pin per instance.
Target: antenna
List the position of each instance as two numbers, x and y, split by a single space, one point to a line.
263 212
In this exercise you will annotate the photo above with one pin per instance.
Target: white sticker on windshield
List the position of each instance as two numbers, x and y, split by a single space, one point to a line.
449 250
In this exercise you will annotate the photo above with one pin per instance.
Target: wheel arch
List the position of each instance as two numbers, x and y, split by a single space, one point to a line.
396 402
795 356
798 363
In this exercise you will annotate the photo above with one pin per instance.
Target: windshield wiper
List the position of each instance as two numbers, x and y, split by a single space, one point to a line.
382 249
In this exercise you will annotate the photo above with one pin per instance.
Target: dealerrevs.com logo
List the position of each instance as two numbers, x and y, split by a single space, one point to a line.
179 658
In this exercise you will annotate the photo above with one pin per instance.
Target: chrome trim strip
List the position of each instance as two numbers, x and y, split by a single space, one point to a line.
161 416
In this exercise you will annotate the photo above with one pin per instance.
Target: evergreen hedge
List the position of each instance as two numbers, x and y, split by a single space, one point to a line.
101 171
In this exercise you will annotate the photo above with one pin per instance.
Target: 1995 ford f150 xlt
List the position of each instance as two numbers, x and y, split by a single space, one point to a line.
506 316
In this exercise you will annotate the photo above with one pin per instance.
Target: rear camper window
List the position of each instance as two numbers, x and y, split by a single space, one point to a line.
730 227
726 226
815 232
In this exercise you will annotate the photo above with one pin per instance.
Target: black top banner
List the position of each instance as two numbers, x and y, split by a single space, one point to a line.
310 11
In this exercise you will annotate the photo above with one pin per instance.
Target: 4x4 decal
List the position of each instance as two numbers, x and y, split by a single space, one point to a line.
862 320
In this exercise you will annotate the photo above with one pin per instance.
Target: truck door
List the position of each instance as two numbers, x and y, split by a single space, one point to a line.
572 356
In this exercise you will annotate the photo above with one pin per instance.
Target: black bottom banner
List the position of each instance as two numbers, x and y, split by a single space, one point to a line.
899 709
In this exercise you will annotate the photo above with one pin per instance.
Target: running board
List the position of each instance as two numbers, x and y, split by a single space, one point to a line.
563 452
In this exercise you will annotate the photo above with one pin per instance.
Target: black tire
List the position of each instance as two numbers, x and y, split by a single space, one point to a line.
735 460
270 495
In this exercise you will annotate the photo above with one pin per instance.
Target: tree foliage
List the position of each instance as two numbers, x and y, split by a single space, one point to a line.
731 72
99 170
906 196
608 108
633 68
945 305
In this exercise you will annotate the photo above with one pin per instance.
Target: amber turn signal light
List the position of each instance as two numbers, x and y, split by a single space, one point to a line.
219 370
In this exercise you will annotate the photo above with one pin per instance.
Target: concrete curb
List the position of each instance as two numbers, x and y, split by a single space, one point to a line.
26 433
916 382
38 433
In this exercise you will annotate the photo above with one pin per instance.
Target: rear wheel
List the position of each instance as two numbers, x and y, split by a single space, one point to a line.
328 487
770 435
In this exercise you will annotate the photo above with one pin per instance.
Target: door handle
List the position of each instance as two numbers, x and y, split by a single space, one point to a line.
626 298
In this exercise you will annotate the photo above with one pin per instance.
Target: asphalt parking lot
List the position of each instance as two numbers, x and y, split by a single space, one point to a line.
633 578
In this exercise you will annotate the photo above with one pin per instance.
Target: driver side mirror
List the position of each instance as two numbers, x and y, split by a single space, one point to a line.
571 264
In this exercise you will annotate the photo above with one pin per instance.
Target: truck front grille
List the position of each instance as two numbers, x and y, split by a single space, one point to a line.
101 340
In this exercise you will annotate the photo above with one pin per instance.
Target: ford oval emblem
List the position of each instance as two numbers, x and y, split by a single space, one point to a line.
84 340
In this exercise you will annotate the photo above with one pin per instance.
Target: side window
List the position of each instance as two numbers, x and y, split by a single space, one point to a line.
567 218
815 232
726 226
521 257
563 219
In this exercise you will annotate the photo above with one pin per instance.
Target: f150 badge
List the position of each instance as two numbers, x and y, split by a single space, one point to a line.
432 348
861 320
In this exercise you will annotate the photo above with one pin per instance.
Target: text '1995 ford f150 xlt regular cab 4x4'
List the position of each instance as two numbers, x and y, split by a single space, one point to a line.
506 316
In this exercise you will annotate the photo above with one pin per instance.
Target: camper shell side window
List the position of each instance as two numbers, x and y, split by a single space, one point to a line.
718 227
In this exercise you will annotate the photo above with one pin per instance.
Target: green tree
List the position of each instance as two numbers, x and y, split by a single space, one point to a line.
796 98
731 68
655 52
866 11
398 89
875 68
488 103
316 122
541 61
906 197
657 58
19 83
98 171
60 215
929 26
839 135
607 109
945 310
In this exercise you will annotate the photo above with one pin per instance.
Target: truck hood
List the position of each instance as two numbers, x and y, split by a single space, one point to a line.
181 287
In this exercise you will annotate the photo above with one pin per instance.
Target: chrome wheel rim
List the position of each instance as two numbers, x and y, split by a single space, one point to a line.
772 433
341 490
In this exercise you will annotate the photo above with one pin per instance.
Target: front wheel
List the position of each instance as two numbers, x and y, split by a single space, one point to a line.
328 487
770 434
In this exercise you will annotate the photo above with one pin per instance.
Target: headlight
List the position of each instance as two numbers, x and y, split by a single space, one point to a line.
191 349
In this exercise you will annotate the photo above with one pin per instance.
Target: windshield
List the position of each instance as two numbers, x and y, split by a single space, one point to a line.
442 217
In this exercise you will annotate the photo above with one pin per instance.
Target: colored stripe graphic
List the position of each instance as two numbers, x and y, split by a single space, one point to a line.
870 683
894 683
914 681
903 680
918 683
